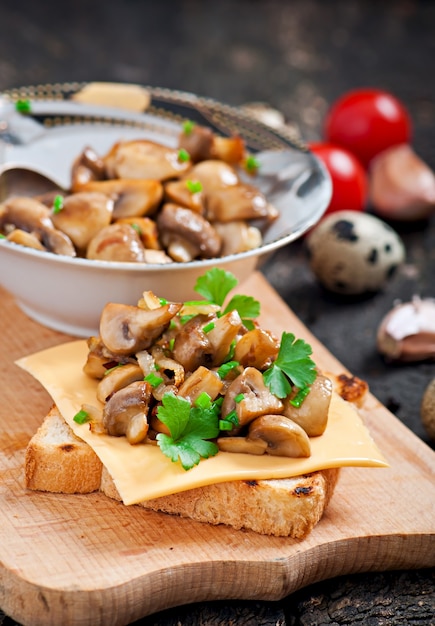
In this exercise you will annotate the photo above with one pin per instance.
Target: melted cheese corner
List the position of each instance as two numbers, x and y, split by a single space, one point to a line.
142 472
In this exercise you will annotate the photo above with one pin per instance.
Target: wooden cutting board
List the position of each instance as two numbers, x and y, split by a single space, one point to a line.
91 561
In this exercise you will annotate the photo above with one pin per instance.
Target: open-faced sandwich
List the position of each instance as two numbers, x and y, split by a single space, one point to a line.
194 409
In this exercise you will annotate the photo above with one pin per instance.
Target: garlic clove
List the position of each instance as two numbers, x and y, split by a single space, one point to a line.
402 186
407 332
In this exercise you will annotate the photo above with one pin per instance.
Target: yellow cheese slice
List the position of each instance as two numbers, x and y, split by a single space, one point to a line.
142 472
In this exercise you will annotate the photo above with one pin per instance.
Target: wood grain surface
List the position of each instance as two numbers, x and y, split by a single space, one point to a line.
89 560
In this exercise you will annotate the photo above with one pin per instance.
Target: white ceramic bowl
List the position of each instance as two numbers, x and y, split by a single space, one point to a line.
68 294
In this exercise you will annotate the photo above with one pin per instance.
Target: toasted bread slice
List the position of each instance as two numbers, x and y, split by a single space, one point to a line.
58 461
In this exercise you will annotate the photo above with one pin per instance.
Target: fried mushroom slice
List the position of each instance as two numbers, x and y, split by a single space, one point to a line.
312 414
214 174
82 216
116 242
131 198
238 236
176 223
238 202
23 238
283 436
126 411
256 348
116 378
87 167
144 159
200 381
34 217
256 399
127 329
182 192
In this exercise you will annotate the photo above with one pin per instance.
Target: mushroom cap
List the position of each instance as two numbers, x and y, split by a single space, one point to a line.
283 436
131 198
312 414
124 406
116 242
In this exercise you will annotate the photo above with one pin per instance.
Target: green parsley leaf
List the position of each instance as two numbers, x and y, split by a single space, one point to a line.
246 306
215 285
190 429
293 366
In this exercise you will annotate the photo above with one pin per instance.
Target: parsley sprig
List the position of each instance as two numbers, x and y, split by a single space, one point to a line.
190 427
215 286
292 367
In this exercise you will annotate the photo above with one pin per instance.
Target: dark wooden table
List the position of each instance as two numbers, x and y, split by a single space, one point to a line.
298 57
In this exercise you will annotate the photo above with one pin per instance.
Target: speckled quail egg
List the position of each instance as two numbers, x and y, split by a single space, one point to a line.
354 253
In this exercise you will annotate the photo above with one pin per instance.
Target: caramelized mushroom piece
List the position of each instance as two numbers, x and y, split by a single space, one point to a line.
131 198
23 238
82 216
312 414
117 378
197 141
116 242
238 236
228 149
242 445
214 175
283 436
182 193
87 167
125 413
223 334
202 380
177 224
238 202
33 217
192 347
126 329
146 228
257 399
144 159
257 348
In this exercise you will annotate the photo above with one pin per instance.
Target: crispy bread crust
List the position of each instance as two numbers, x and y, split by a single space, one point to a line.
58 461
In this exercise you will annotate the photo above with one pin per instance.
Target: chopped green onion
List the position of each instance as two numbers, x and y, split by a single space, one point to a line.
2 236
208 327
194 186
172 325
185 318
57 204
225 425
188 127
113 368
252 164
226 368
136 227
81 417
153 379
300 397
239 398
183 155
171 344
23 106
203 401
163 301
232 417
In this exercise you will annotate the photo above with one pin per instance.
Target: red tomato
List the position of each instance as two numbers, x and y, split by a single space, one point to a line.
366 122
349 179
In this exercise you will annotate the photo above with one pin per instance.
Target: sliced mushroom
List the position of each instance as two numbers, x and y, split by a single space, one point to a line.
144 159
192 347
126 329
178 222
116 242
87 167
202 380
23 238
125 413
312 414
33 216
197 141
82 216
179 192
257 399
228 149
146 228
169 368
100 359
256 348
238 236
242 445
214 175
223 334
117 378
131 198
238 202
283 436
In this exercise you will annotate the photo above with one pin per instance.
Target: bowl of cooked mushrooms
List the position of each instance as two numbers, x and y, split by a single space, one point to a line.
100 203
